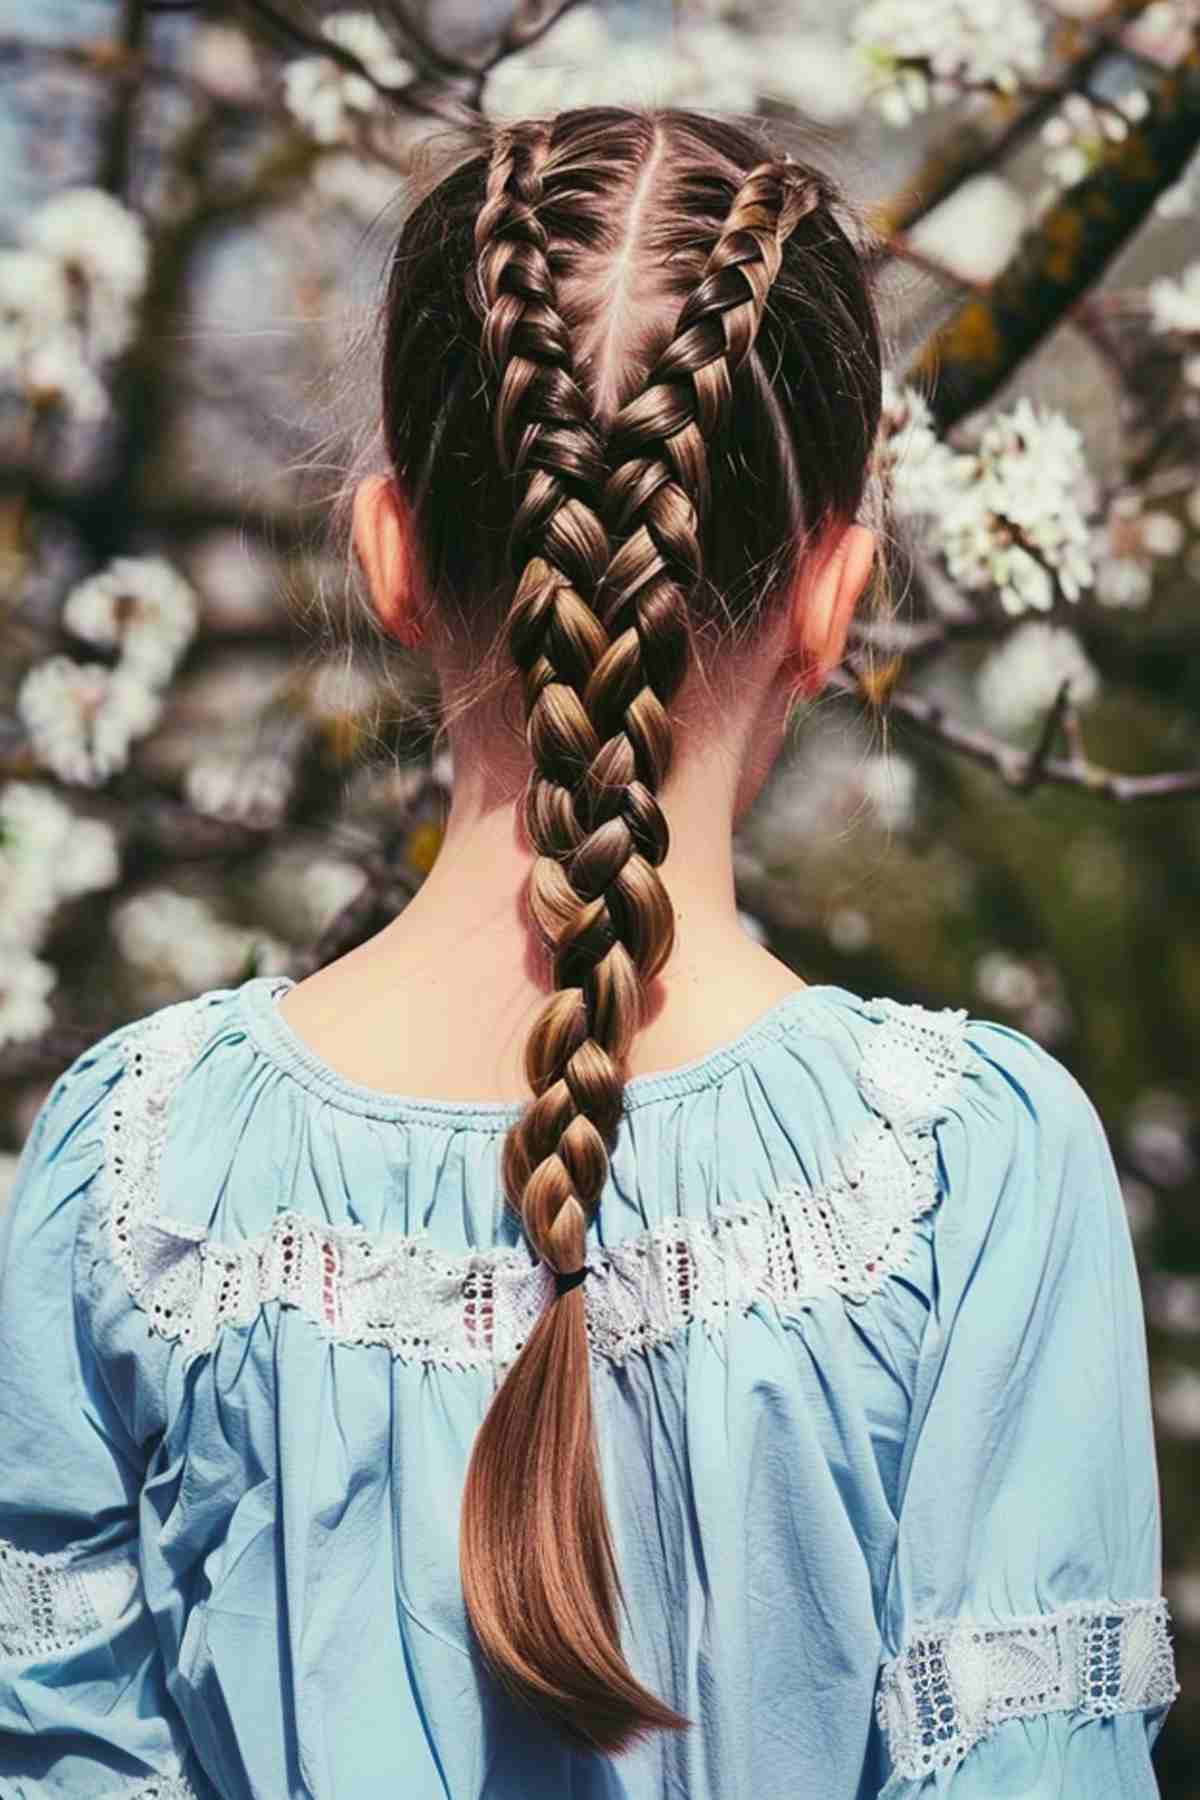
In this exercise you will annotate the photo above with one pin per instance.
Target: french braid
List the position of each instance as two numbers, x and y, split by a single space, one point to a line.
545 1595
545 436
602 645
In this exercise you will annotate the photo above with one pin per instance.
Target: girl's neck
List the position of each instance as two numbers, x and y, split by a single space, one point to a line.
439 1003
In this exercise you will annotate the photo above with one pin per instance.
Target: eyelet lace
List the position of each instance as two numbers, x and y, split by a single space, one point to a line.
477 1308
957 1679
48 1603
52 1602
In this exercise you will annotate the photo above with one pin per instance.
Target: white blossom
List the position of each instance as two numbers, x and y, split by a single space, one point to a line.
83 717
1077 136
1125 546
1175 305
889 783
177 941
919 468
714 66
578 62
918 53
103 249
301 891
441 768
974 231
35 303
26 984
813 71
1016 683
1008 514
1004 980
1018 523
223 61
41 352
1173 1302
58 373
327 885
704 62
1163 32
1028 990
849 929
834 783
241 785
329 100
1158 1137
47 854
141 606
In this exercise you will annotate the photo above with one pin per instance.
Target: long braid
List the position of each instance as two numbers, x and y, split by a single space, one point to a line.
602 643
542 1590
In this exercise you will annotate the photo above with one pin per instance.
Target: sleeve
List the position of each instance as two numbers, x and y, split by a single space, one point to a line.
84 1712
1026 1648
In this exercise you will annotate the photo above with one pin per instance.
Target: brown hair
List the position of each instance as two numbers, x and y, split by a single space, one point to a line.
631 371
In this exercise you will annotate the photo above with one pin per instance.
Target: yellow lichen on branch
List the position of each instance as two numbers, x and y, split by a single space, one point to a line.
968 358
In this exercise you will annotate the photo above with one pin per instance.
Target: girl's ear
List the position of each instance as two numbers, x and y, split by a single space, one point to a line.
823 605
383 541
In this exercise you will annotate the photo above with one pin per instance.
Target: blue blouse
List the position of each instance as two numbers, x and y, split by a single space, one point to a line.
870 1376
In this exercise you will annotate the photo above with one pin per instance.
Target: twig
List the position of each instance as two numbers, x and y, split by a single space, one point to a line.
1013 764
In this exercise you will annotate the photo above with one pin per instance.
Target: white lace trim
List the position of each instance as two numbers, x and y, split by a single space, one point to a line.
956 1680
477 1308
48 1603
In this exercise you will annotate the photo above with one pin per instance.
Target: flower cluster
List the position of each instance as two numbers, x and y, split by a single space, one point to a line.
919 469
1017 682
1126 544
179 944
69 299
331 101
1017 522
918 53
1029 990
1009 514
1078 135
236 782
585 59
139 606
47 854
82 718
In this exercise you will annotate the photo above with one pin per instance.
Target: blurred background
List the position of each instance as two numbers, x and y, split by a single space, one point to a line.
210 768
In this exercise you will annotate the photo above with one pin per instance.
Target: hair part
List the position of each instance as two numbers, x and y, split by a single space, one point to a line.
631 371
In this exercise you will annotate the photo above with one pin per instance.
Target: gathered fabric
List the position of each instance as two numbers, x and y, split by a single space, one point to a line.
869 1372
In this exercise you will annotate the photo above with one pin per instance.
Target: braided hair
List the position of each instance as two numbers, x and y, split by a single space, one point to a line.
612 555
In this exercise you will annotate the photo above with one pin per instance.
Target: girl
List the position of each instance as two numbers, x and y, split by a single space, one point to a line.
760 1409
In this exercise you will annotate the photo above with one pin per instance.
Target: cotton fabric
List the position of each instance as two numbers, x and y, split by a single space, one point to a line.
232 1572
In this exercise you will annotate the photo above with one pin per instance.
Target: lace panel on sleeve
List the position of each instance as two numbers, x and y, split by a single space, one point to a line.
956 1680
477 1308
48 1603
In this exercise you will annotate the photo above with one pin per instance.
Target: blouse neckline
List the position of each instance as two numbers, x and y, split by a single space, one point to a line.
283 1046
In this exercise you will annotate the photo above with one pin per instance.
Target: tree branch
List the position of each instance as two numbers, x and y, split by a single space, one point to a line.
970 358
1024 770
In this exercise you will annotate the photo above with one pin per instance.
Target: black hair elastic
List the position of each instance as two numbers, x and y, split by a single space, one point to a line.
564 1283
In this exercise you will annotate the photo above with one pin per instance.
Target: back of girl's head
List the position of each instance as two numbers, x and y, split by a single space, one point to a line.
631 376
